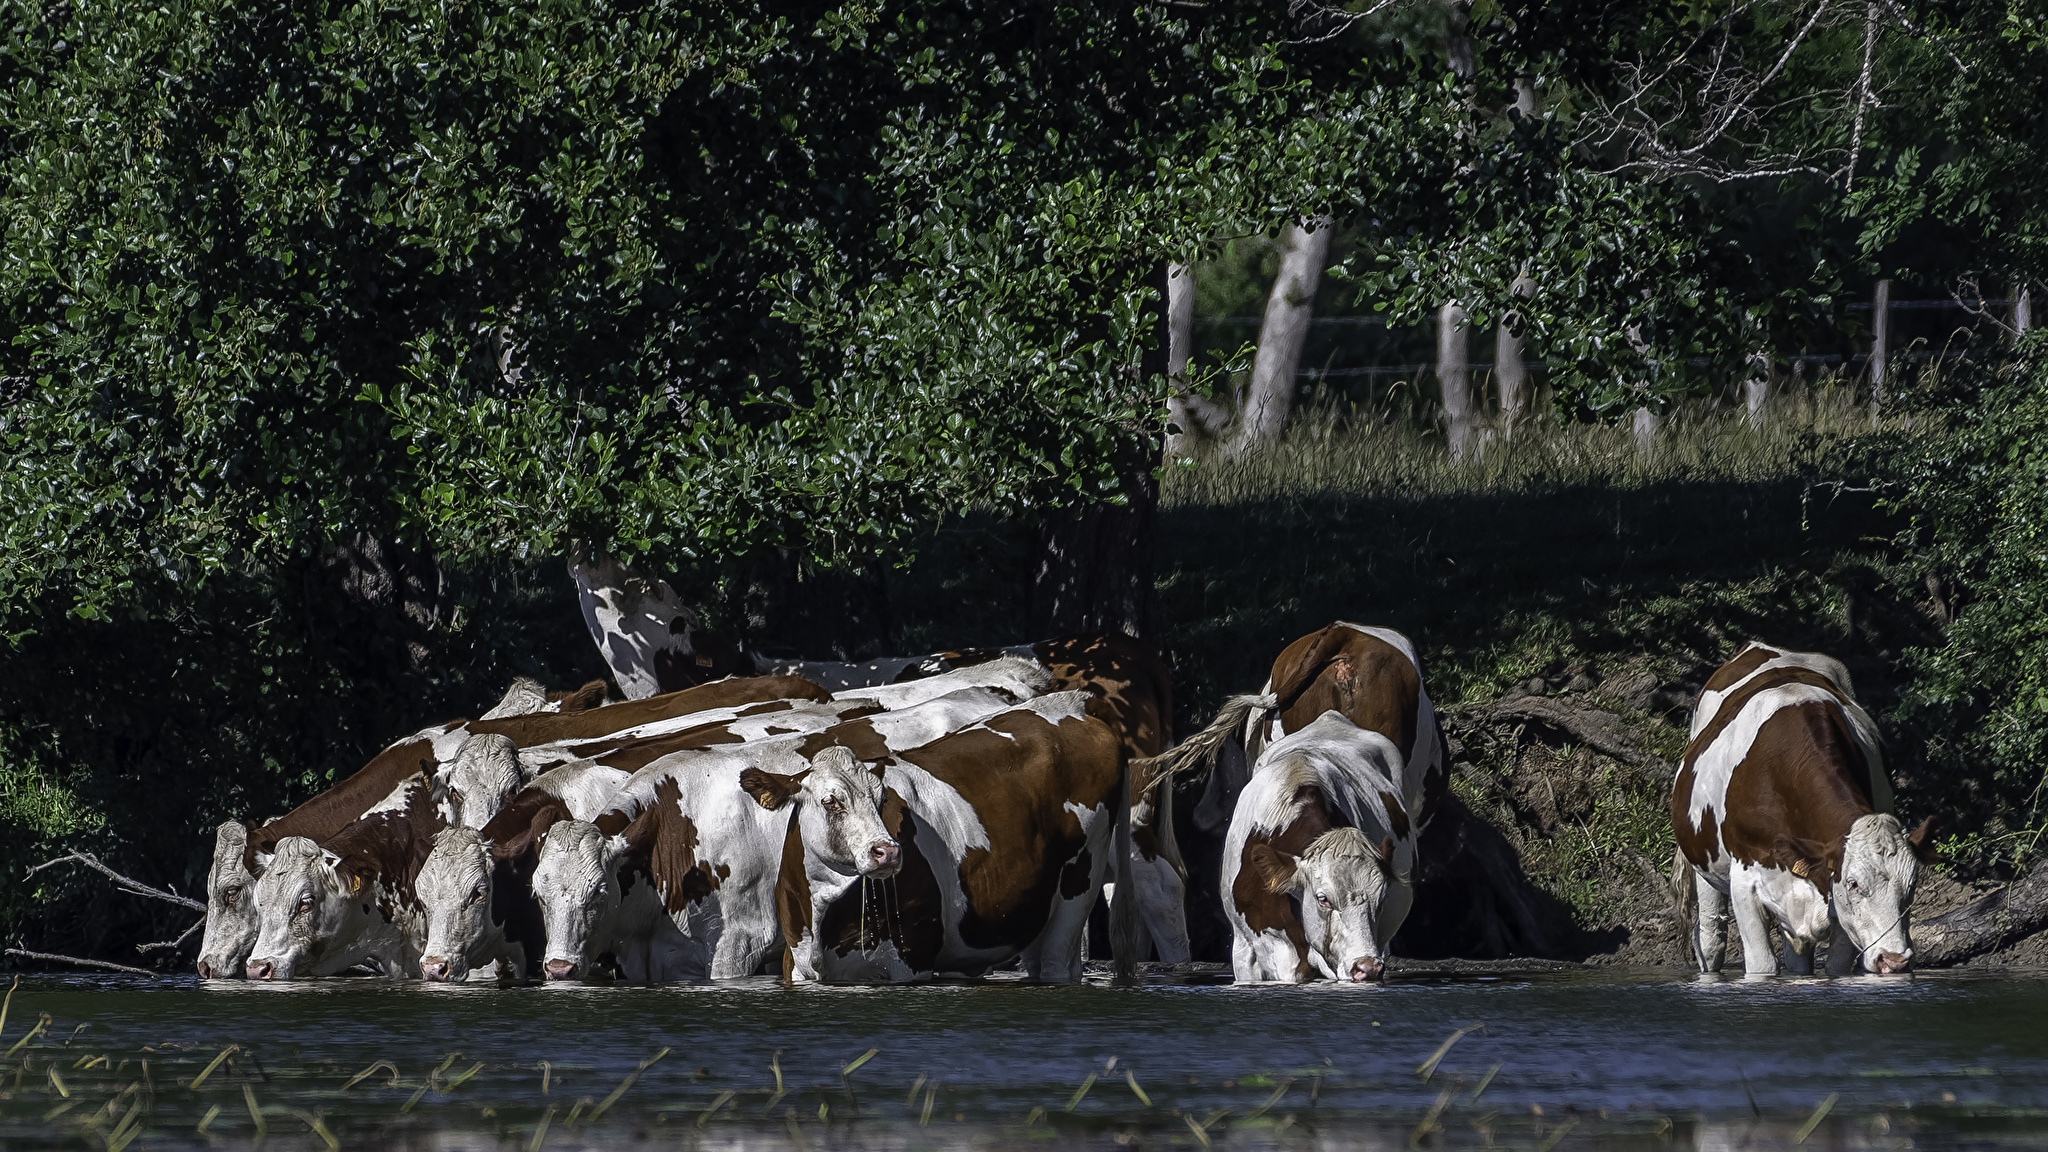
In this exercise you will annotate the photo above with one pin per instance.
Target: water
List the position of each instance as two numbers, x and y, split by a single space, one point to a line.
1568 1059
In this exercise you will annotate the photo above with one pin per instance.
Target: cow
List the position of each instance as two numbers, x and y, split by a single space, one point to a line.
482 778
684 836
1004 832
505 924
231 924
1781 807
1319 858
324 909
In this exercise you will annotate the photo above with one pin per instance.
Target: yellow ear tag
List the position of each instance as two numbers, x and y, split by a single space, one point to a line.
1801 869
355 885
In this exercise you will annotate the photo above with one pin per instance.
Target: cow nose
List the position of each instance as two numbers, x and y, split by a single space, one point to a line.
884 857
205 970
261 969
434 967
561 969
1365 968
1892 963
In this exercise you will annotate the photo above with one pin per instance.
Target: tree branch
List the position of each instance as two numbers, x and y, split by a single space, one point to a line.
81 961
187 935
126 883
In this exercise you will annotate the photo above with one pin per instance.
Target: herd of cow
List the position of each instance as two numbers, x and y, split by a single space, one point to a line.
950 814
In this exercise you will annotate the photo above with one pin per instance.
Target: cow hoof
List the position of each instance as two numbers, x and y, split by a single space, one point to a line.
1893 964
434 968
561 970
1366 969
261 970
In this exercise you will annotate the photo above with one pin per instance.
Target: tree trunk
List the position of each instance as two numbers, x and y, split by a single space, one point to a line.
1454 375
2005 917
1195 416
1510 374
814 615
2022 310
1880 340
1756 390
1644 428
1283 334
1094 570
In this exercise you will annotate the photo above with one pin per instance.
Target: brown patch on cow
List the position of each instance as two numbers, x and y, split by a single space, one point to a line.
547 728
1263 908
906 910
1397 815
331 811
583 699
638 752
1700 845
1732 707
664 841
792 897
389 847
1369 681
856 736
765 707
516 830
1019 771
1128 686
1730 674
1793 797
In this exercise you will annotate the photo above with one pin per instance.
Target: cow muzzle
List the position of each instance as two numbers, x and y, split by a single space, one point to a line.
434 968
1365 969
261 970
885 859
1893 964
205 970
560 969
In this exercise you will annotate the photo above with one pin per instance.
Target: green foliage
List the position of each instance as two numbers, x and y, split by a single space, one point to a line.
1976 489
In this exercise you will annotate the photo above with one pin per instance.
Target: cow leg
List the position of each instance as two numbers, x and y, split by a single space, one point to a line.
1797 954
1752 920
1055 957
1244 960
1162 908
1710 924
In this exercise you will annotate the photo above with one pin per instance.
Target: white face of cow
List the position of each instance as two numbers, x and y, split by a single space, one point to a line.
304 905
1343 881
577 894
1874 890
230 907
484 776
454 885
839 811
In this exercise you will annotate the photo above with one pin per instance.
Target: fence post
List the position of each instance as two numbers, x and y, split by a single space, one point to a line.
1454 374
1880 339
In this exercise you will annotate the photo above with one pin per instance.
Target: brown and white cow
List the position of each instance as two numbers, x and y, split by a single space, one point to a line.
231 921
1005 833
1782 809
1369 675
323 909
685 836
1318 861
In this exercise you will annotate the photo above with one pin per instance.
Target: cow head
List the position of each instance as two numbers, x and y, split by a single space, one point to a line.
838 810
1343 880
483 777
230 906
454 886
306 901
576 886
1873 889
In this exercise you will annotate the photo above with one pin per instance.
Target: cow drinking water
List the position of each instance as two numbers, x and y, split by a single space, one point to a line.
1781 808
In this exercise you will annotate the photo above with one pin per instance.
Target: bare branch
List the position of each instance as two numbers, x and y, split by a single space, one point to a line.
1339 20
1862 96
81 961
187 935
126 884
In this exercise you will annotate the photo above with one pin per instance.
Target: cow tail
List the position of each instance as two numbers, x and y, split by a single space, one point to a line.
1195 755
1123 911
1685 897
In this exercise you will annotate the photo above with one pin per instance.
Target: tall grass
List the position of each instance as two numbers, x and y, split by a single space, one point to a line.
1374 454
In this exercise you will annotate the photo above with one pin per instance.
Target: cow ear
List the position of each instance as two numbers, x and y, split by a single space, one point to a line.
1802 858
1277 870
1386 854
1922 841
769 790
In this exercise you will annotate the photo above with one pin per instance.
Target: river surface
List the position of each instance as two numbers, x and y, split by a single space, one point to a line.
1550 1060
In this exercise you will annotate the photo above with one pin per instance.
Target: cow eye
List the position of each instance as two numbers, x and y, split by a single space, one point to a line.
1854 886
835 804
230 894
305 904
1325 902
477 895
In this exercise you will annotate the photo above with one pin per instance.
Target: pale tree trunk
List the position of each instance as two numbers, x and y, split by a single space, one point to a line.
1282 335
1510 374
1756 390
1880 340
1454 375
1644 429
1195 416
2022 310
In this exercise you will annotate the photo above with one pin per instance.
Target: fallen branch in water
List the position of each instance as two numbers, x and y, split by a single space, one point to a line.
127 884
1987 924
53 958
